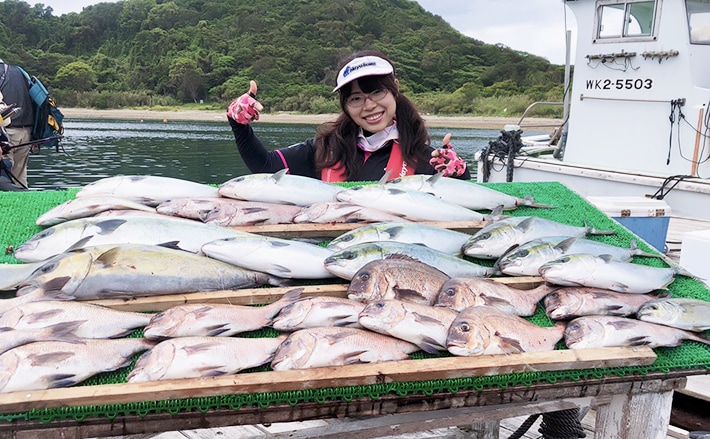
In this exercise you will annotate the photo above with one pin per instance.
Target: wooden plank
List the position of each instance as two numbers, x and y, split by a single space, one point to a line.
325 377
332 230
697 387
260 296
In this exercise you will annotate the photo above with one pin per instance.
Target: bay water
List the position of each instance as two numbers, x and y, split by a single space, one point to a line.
202 151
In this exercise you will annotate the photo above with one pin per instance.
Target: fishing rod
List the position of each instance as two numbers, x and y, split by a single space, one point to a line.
6 147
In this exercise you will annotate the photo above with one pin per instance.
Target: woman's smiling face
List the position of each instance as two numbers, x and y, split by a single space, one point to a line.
373 115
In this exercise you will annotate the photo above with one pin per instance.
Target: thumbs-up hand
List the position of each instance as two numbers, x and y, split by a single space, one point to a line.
245 108
446 160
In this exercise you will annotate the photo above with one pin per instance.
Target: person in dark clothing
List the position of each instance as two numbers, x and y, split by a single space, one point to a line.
378 130
15 90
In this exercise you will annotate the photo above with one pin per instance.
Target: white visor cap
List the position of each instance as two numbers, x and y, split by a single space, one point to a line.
363 66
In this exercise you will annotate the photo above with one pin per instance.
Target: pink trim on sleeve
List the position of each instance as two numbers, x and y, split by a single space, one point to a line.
283 160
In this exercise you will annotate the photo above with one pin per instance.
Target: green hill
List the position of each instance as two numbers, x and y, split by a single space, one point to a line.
163 53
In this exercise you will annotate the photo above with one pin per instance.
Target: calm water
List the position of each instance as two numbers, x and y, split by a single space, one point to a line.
199 151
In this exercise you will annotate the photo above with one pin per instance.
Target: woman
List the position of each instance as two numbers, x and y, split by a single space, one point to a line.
378 130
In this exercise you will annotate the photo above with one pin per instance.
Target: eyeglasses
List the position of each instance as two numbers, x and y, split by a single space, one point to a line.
358 100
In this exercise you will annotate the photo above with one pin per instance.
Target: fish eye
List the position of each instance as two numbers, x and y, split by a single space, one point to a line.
573 326
464 327
346 238
364 276
349 255
564 259
46 268
379 304
451 292
524 253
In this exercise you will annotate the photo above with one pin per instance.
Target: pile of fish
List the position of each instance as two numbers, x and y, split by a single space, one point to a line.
410 286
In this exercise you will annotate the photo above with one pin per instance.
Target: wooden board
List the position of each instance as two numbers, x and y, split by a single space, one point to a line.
325 377
331 230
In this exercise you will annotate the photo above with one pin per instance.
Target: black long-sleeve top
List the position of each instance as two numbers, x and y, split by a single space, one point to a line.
299 158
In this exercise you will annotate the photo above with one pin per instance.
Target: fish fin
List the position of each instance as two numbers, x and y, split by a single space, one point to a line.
496 214
110 225
51 357
509 345
277 175
396 191
420 318
641 340
66 330
593 231
211 371
354 357
494 301
393 231
199 347
39 316
431 346
408 295
250 210
279 268
618 286
217 330
354 220
79 244
621 324
529 201
607 258
525 224
61 380
566 244
53 285
385 177
170 244
278 243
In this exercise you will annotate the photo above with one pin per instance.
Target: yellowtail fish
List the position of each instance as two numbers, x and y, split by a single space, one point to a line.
526 259
604 272
610 331
331 346
345 263
438 238
485 330
150 190
280 187
498 237
408 203
683 313
86 207
423 325
464 193
401 279
194 357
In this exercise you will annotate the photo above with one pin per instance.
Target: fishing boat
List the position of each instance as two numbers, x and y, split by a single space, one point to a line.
635 120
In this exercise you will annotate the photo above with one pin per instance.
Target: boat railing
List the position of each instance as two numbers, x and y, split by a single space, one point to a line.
541 144
537 125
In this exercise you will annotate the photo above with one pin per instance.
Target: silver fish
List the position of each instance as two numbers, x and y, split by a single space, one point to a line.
604 272
347 262
423 325
331 346
194 357
201 320
285 258
51 364
401 279
485 330
438 238
94 321
496 238
280 187
408 203
326 212
570 302
11 275
192 208
459 293
468 194
131 270
682 313
150 190
611 331
526 259
83 232
34 296
315 311
11 337
248 213
88 206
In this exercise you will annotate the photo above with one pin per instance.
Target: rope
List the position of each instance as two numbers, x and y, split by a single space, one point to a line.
563 424
524 427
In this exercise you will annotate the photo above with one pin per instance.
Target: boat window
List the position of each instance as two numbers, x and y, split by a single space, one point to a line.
625 19
699 20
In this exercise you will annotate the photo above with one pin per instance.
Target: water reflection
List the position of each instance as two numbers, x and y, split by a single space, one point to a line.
197 151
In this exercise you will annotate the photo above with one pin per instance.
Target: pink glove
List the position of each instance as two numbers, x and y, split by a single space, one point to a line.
245 108
445 159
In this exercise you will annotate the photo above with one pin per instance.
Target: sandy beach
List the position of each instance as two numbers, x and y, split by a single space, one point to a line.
208 115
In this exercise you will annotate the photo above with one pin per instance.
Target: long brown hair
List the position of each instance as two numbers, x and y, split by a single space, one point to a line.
336 141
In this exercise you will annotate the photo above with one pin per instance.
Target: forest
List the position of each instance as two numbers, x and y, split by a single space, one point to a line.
202 53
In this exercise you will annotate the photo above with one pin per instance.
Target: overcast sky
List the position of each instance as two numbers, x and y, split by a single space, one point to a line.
534 26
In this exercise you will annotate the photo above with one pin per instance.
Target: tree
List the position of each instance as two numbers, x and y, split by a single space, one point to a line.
78 76
187 77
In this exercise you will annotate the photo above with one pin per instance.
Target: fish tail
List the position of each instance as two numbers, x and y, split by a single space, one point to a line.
529 201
